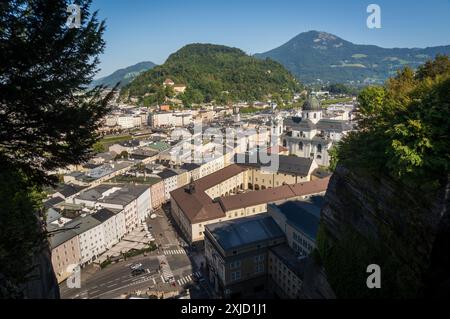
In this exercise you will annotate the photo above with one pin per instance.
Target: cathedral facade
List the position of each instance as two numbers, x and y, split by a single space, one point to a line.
313 134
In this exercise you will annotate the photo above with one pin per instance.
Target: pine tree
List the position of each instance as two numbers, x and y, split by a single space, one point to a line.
47 118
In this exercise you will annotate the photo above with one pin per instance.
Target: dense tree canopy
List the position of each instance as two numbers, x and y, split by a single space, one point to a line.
404 127
340 88
47 119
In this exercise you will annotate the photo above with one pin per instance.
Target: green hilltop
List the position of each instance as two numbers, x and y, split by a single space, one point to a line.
213 73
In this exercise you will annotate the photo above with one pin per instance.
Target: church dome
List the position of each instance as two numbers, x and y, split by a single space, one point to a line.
312 104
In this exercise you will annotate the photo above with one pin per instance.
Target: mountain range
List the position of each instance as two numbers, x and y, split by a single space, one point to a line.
312 57
315 55
124 76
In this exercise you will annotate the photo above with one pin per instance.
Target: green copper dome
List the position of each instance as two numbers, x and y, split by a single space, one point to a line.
312 104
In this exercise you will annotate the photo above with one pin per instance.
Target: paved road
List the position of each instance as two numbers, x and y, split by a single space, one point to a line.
116 279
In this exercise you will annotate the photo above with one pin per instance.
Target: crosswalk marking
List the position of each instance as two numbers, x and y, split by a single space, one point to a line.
165 269
187 279
141 281
174 252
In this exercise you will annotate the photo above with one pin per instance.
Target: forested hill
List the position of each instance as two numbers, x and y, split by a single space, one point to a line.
215 72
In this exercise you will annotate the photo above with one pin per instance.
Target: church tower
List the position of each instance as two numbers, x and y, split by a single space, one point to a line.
312 110
277 127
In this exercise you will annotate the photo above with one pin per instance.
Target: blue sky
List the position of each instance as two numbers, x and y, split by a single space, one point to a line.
150 30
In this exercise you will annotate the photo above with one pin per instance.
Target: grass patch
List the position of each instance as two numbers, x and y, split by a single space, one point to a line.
108 141
249 110
132 179
136 252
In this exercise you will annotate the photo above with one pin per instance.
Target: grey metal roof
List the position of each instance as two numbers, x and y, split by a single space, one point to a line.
52 202
167 173
95 193
287 164
103 215
333 125
125 195
190 166
59 235
245 231
299 124
304 215
82 224
68 190
52 215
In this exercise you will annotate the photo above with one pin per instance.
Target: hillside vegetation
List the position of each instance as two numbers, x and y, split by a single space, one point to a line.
213 72
404 127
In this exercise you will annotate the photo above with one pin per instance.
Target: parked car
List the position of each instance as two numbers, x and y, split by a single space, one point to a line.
135 266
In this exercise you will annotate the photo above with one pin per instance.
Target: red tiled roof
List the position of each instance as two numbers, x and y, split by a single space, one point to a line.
197 206
273 194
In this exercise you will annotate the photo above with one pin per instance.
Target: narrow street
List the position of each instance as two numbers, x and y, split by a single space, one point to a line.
173 262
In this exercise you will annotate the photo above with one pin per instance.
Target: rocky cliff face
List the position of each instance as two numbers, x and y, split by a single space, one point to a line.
373 220
41 282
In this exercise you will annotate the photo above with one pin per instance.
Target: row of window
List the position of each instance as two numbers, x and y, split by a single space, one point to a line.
59 258
284 277
303 242
298 249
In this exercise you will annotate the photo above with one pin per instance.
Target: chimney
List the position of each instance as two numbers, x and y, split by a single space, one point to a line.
191 187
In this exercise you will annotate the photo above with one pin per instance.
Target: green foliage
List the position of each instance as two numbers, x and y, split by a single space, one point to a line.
248 110
191 97
123 155
432 68
99 148
136 252
340 88
216 73
44 68
371 100
48 120
404 129
333 154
